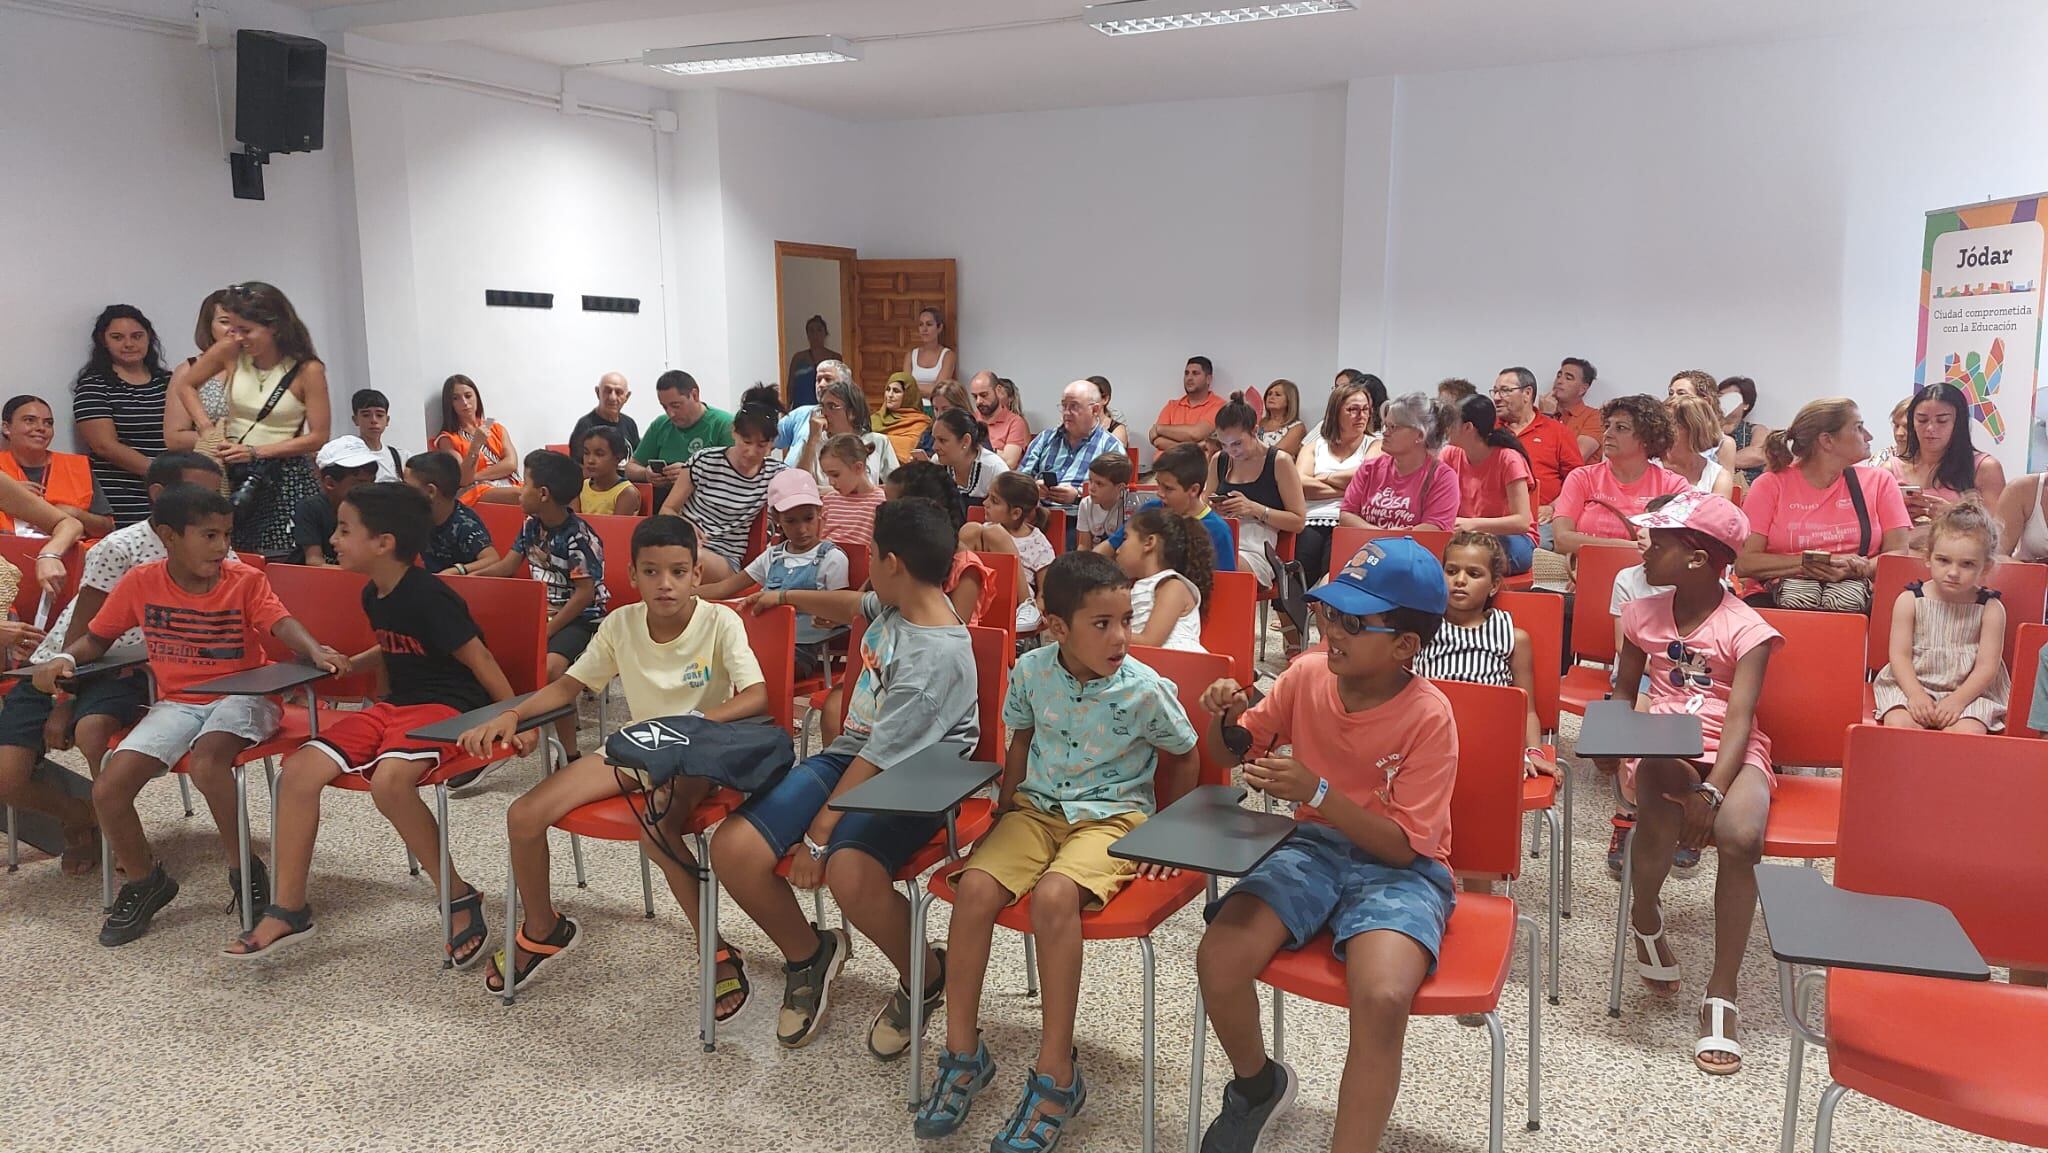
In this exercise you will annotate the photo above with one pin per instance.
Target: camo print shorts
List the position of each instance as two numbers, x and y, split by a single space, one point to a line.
1318 879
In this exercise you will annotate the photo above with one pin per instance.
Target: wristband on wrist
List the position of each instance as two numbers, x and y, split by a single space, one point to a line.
49 556
816 850
1322 793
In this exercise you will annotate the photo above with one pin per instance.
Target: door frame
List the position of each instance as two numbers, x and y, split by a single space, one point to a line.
849 320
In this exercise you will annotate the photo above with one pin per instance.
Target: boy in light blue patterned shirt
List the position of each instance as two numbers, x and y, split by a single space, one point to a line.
1088 728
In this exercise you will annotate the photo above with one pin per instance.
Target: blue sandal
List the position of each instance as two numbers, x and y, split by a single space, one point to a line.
1033 1131
953 1091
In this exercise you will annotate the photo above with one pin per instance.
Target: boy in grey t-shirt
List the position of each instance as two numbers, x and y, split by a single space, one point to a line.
916 690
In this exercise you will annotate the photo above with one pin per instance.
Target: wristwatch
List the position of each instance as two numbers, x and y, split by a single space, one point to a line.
1714 796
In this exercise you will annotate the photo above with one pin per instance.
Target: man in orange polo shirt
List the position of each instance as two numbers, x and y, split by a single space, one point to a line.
1567 402
1191 417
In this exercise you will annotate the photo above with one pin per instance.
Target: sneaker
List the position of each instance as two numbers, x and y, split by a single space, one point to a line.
953 1091
807 991
1685 862
1242 1125
135 905
889 1034
259 886
1618 843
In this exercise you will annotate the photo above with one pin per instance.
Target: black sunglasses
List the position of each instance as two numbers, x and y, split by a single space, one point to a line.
1236 737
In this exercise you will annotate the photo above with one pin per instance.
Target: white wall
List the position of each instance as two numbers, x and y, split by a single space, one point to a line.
1121 241
116 191
459 193
1754 210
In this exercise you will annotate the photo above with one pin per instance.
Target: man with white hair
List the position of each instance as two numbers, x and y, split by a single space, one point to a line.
1058 457
1008 435
612 395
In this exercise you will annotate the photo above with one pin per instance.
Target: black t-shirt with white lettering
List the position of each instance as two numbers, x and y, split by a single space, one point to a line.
419 626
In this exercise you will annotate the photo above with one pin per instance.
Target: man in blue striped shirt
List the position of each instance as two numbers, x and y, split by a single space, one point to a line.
1058 457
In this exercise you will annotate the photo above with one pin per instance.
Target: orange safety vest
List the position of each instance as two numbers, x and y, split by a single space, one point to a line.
66 480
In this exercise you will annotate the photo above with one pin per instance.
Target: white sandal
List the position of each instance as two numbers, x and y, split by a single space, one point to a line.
1653 969
1717 1039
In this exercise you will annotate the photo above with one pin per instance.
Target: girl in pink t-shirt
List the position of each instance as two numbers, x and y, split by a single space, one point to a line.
1407 487
1495 489
1705 653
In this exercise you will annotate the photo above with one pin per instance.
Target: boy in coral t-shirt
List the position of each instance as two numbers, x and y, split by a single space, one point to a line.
1375 755
201 620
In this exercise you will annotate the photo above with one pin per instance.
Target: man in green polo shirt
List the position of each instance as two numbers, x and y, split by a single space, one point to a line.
686 425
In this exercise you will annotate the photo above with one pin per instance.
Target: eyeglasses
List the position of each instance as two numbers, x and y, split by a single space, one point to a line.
1237 738
1351 623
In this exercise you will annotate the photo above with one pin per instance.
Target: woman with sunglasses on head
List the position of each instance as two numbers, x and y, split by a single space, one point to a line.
277 416
117 403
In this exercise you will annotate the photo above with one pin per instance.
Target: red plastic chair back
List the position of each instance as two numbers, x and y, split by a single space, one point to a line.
253 560
1349 538
615 533
1541 615
2026 671
1002 610
1813 689
1231 626
20 551
992 649
772 636
646 489
1735 494
1954 819
858 557
513 615
329 602
757 537
563 449
976 514
2022 587
1592 592
1486 802
1191 674
1055 530
502 521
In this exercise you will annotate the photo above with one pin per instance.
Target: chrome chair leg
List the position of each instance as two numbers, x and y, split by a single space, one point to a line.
1621 909
646 883
248 893
1030 966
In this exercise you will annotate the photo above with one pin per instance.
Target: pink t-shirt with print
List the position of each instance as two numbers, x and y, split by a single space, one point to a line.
1592 495
1483 488
1399 760
1386 499
1700 665
1793 516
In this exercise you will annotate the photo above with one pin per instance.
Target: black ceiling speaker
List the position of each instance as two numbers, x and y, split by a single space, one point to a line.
280 91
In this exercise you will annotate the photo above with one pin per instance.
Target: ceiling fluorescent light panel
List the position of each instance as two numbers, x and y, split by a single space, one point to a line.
1132 17
746 55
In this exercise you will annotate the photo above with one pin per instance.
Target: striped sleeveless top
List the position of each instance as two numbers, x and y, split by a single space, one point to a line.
1480 654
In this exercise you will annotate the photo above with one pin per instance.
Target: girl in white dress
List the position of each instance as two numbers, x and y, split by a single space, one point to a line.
1170 561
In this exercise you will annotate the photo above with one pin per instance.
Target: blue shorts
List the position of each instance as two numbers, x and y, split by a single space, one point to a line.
1318 879
783 813
1521 552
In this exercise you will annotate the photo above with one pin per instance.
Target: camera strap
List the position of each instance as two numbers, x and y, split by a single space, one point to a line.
284 385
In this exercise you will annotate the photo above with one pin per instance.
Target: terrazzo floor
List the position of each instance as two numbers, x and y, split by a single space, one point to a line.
359 1040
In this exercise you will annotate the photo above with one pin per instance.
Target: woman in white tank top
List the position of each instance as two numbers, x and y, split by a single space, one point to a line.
2022 526
930 326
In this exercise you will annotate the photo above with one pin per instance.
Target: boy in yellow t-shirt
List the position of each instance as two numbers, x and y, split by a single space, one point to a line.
674 654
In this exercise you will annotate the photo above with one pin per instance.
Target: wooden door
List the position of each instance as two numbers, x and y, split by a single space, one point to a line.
888 295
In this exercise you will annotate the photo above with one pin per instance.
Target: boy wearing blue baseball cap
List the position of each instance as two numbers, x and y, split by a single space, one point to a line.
1374 757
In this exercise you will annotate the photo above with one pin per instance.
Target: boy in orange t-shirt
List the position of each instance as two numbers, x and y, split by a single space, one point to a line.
1374 758
201 620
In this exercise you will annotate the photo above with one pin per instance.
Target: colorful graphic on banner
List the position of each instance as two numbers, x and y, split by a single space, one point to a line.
1981 276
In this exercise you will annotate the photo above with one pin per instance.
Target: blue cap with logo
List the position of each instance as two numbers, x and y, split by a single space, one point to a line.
1389 573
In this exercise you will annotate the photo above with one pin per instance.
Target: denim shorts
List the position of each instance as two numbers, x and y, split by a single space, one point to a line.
170 728
783 813
27 708
1521 552
1318 879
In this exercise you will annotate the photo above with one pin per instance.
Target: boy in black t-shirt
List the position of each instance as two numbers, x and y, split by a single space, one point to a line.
437 666
458 539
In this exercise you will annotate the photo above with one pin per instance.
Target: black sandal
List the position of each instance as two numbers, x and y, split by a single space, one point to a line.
567 935
472 937
737 983
298 924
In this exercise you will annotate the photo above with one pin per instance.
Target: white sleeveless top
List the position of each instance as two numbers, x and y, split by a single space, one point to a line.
2033 544
1187 631
923 375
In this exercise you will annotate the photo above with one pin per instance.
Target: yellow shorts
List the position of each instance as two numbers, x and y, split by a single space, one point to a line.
1028 843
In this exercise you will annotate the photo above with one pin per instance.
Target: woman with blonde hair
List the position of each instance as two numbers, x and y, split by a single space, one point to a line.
1699 452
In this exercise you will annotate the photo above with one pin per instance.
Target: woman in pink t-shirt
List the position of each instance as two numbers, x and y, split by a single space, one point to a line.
1597 500
1704 653
1407 486
1811 544
1494 480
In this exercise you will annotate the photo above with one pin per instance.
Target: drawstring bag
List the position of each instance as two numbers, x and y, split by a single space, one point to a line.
747 756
